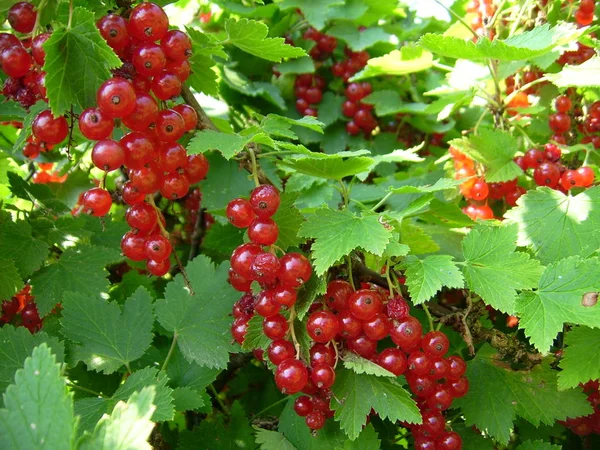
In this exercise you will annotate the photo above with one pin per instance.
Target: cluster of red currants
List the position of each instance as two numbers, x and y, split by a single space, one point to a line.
482 11
325 44
584 426
361 117
308 90
585 13
22 59
23 304
47 174
154 160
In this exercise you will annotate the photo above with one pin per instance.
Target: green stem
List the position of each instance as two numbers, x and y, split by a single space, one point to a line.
254 167
219 400
382 201
278 402
457 17
84 389
70 14
429 318
171 351
350 277
517 20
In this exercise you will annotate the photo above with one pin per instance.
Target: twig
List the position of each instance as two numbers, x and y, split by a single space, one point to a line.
171 350
197 234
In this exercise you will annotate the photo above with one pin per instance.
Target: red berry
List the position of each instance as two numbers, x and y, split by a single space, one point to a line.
291 376
240 213
166 85
144 114
108 155
354 92
377 328
158 248
280 350
563 103
265 305
364 304
533 158
95 125
265 200
169 125
448 441
439 368
243 257
433 423
113 29
116 97
424 443
303 405
131 195
568 180
457 367
323 376
315 420
97 202
148 60
295 270
31 318
148 22
147 179
139 149
48 129
587 6
175 185
172 157
286 297
440 399
265 268
176 45
419 363
239 327
350 326
435 343
322 354
313 95
133 246
21 17
238 282
338 292
37 49
352 128
275 327
479 190
585 176
397 308
547 174
322 326
421 386
511 197
459 388
394 360
189 114
362 346
406 333
263 231
552 152
8 40
559 122
158 268
182 69
349 108
197 168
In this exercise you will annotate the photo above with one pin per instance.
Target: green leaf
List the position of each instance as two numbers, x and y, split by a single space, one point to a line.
255 337
107 336
494 269
228 144
251 37
10 280
200 319
272 440
17 244
187 399
203 78
442 184
16 344
495 149
388 102
337 233
558 299
530 44
332 167
240 83
361 365
358 39
128 427
555 225
538 445
576 364
296 66
183 373
289 220
530 394
308 293
425 277
397 62
417 239
78 61
27 121
38 407
586 74
355 394
78 270
315 11
330 108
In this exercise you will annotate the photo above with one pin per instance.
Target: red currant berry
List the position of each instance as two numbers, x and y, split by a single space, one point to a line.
182 69
563 104
479 190
421 386
352 128
559 122
364 304
440 399
265 305
349 109
362 346
131 195
275 327
37 49
377 328
97 202
406 333
169 125
108 155
166 85
172 157
133 246
158 248
448 441
350 326
95 125
286 297
265 200
240 213
547 174
315 420
148 22
189 114
197 168
144 114
158 268
113 29
397 308
142 217
116 97
291 376
303 405
175 185
323 376
393 360
354 92
176 45
280 350
439 368
263 231
295 270
265 268
585 176
337 295
243 257
435 343
238 282
419 363
433 423
239 327
457 367
21 17
48 129
459 388
322 354
533 158
139 149
322 326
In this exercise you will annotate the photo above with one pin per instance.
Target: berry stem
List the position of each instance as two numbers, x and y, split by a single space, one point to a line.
350 276
219 400
429 318
457 17
278 402
84 389
293 331
171 350
254 166
70 14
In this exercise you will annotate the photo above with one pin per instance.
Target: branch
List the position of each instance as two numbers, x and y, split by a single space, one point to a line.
205 123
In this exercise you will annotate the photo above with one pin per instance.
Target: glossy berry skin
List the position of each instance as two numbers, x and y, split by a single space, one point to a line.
559 122
37 49
133 246
457 367
265 200
116 97
547 174
322 326
352 128
364 304
97 202
439 368
15 61
108 155
323 376
95 125
568 180
315 420
239 213
239 327
349 108
419 363
303 405
147 179
585 176
275 327
350 326
433 423
459 388
169 125
291 376
158 248
175 185
362 346
533 158
172 157
337 295
286 297
406 333
131 195
138 148
265 268
144 114
440 399
158 268
49 129
166 85
563 104
148 22
393 360
279 350
295 270
113 29
197 168
238 282
377 328
263 231
243 257
449 441
149 60
265 305
435 343
176 45
479 190
189 114
21 17
421 386
142 217
424 443
322 354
